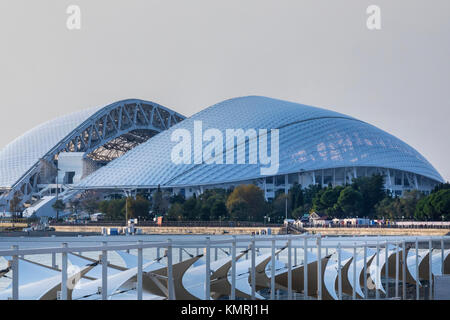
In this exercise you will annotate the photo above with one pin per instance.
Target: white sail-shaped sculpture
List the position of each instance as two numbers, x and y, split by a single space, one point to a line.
242 275
375 272
35 280
95 272
359 270
88 290
437 261
411 261
331 271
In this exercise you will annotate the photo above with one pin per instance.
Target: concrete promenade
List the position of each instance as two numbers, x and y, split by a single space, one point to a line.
250 230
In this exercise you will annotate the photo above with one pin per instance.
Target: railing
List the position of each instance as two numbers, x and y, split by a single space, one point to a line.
291 243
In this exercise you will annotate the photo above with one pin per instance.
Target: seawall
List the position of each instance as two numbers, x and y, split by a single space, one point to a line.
278 230
173 230
379 231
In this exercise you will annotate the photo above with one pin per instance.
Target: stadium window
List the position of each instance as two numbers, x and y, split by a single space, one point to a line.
279 180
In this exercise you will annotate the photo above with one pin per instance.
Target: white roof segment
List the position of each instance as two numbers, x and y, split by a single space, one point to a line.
23 152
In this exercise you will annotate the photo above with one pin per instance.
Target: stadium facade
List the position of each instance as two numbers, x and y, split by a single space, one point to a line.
132 149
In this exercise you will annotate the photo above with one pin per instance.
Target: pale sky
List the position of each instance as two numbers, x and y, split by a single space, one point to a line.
190 54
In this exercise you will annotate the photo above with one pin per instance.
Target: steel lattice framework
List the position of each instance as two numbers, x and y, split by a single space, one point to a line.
102 134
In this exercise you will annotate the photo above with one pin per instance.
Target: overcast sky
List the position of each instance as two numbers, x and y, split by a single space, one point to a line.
190 54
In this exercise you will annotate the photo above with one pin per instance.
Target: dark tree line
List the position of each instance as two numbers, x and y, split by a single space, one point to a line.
364 197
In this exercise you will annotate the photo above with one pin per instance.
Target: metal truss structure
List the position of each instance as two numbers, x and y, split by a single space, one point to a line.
105 135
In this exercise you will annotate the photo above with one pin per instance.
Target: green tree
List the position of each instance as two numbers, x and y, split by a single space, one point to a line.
190 208
90 205
435 206
58 205
296 196
175 212
15 205
349 201
138 207
219 210
372 191
408 203
279 206
239 210
389 207
253 197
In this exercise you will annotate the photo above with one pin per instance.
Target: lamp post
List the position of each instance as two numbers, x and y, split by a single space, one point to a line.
285 197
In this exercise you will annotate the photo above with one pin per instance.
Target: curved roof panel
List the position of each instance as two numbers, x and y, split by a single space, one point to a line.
23 152
310 138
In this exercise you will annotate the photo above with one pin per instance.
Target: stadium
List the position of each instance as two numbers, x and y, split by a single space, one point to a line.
129 146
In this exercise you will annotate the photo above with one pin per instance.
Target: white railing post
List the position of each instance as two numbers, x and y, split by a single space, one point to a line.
377 276
354 272
339 252
64 272
272 271
430 275
170 270
289 269
253 271
158 254
216 254
397 268
386 268
139 270
233 269
15 274
295 255
208 269
180 254
442 255
305 268
319 268
404 270
417 269
53 260
104 272
366 294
